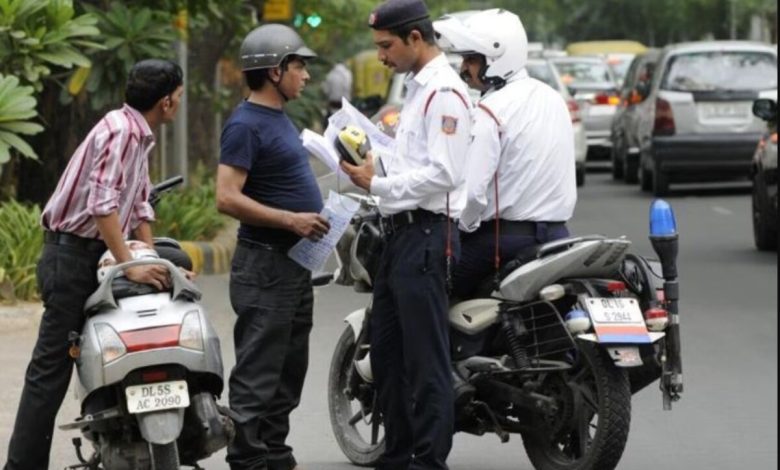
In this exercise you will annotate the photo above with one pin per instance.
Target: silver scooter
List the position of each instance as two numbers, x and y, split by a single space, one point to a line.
149 372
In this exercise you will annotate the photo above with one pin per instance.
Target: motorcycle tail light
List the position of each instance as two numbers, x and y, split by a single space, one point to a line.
154 376
656 319
151 338
616 286
111 345
191 336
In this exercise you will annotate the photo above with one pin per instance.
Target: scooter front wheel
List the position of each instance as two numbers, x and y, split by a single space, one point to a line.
359 431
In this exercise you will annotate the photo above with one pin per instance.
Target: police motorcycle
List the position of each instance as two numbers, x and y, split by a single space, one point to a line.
552 349
149 368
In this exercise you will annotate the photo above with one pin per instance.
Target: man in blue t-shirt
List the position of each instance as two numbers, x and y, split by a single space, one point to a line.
264 180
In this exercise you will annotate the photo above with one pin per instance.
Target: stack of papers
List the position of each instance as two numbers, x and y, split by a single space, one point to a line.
323 148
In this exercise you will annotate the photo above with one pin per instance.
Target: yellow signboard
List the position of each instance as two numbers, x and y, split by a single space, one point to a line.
277 10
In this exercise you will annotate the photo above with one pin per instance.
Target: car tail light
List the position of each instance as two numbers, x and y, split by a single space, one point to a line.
151 338
664 118
656 319
574 110
606 99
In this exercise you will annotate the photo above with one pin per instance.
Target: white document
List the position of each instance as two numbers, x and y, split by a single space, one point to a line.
338 210
382 145
323 149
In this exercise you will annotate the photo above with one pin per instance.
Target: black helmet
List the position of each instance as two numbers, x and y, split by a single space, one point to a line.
268 45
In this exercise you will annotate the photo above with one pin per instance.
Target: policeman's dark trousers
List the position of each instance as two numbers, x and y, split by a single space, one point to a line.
272 297
477 263
410 356
66 278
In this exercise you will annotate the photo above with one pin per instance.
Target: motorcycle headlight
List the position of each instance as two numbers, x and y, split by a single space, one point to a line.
191 336
111 345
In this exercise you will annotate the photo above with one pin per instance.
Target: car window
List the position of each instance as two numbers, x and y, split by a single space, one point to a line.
620 64
544 73
582 73
721 70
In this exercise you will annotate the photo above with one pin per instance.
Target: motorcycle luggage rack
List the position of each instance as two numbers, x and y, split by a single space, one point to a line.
542 334
90 419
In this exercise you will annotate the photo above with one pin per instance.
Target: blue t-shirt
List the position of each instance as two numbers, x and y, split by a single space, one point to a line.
264 142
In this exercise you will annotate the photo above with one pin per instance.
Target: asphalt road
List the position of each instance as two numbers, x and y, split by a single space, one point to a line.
727 418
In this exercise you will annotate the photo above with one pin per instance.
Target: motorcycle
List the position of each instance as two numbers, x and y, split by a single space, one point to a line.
552 350
149 371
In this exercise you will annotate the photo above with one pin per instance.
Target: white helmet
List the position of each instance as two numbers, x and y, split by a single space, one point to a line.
497 34
138 249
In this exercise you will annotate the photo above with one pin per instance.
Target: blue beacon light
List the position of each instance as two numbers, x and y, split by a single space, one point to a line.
662 222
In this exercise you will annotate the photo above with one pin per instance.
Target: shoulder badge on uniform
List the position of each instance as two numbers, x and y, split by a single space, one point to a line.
449 124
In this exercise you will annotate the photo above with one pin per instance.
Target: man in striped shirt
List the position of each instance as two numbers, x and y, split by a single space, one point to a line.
101 200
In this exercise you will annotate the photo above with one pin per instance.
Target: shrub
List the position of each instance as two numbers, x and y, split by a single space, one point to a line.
189 213
21 242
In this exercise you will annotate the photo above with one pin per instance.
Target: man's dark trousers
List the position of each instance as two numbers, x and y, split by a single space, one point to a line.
272 297
478 251
410 356
66 278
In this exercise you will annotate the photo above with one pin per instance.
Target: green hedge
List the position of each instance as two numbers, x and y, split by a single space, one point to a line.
187 214
21 241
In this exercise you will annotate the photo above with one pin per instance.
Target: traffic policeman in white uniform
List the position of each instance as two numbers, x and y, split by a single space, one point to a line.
521 168
421 196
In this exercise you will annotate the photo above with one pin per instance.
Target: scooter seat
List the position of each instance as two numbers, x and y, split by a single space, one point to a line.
123 287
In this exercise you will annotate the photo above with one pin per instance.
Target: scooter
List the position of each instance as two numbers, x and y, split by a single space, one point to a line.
149 372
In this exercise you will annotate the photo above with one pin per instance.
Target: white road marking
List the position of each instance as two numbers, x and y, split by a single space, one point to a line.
722 210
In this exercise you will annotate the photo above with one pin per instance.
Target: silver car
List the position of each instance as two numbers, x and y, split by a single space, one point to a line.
594 86
544 71
696 120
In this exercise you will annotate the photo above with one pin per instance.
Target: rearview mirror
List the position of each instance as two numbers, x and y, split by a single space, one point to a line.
765 109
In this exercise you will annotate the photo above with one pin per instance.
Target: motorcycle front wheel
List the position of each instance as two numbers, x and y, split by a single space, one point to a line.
590 428
351 402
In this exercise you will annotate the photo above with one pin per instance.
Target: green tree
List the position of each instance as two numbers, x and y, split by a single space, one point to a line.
39 37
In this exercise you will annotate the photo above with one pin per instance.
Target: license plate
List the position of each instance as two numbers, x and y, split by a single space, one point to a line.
615 310
157 396
725 111
617 320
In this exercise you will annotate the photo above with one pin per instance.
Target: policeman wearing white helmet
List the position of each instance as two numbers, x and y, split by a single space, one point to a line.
520 171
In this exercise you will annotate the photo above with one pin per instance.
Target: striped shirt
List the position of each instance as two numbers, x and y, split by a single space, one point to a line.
108 173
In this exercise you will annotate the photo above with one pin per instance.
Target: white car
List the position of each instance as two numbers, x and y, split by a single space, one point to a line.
544 71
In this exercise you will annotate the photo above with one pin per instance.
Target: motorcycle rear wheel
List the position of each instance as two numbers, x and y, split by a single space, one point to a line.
358 430
164 457
596 439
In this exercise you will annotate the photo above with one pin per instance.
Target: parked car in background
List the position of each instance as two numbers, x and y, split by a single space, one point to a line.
617 53
625 123
544 71
763 172
593 86
699 125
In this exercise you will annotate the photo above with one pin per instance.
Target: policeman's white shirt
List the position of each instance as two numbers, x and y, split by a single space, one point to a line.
430 147
532 149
